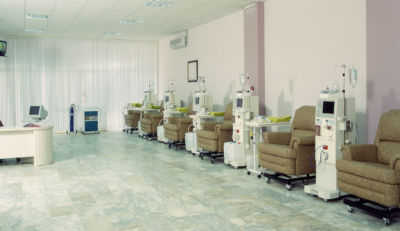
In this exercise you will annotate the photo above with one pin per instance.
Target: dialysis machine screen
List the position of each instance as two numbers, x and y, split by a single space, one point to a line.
34 110
197 101
239 102
328 107
166 99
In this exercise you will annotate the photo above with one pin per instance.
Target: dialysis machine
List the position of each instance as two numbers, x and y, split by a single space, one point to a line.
246 107
149 99
202 104
334 127
169 110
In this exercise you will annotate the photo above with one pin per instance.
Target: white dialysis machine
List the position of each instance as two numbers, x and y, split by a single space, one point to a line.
202 104
170 103
149 97
246 107
334 127
169 106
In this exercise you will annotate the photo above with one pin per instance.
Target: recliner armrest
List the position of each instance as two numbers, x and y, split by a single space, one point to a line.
157 116
173 120
302 140
185 120
360 152
395 162
210 126
224 127
277 138
147 116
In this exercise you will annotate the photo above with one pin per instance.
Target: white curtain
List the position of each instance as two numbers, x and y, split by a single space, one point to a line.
59 72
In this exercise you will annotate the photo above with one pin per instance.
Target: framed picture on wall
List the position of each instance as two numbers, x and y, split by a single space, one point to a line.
192 70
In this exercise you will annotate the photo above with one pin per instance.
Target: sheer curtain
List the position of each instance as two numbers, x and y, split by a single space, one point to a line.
58 72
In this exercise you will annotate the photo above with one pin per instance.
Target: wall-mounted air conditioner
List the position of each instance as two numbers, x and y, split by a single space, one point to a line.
180 42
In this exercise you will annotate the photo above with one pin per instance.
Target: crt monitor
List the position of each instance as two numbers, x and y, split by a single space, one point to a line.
328 107
239 102
3 48
37 112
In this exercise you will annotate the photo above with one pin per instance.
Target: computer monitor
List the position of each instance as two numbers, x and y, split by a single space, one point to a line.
37 112
197 100
166 99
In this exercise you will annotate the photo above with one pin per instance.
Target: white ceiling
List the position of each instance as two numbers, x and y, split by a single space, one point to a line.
92 18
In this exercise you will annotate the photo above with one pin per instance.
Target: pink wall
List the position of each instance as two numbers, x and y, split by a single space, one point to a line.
383 56
254 61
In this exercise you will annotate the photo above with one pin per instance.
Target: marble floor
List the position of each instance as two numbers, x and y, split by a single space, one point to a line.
117 181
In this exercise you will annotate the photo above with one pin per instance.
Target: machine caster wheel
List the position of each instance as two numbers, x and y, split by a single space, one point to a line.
289 187
386 221
169 145
325 200
268 180
212 161
248 173
350 209
259 176
193 154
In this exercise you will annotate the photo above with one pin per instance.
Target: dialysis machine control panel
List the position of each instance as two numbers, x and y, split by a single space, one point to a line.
334 127
169 100
149 99
246 107
202 103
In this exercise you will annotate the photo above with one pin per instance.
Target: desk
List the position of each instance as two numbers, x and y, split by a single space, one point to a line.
27 142
257 137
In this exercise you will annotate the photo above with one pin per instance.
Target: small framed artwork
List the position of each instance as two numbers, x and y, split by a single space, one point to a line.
192 70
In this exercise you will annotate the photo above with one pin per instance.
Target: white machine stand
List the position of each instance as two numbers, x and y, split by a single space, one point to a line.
246 107
334 127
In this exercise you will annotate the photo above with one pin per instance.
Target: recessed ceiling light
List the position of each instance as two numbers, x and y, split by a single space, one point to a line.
159 3
131 21
34 30
112 33
37 16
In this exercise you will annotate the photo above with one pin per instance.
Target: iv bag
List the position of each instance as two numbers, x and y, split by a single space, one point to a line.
353 77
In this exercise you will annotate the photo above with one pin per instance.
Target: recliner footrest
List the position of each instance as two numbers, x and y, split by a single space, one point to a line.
288 180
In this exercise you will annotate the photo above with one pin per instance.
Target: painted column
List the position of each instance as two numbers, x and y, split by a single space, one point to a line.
254 54
383 55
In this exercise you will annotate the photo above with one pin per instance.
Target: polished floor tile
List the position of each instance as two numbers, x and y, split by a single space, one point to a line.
116 181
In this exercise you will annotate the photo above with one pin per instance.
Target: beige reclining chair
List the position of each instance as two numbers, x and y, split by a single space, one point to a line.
131 120
372 171
150 121
212 137
290 153
177 127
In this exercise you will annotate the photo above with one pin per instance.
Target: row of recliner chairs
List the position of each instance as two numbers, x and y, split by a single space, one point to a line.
370 172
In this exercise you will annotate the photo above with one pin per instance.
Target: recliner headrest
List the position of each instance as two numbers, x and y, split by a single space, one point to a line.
228 111
389 126
304 118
